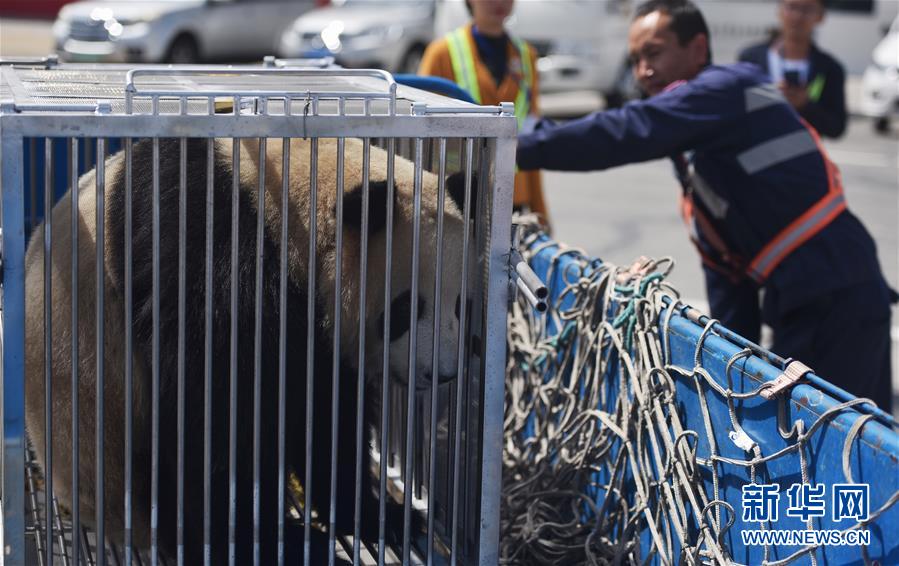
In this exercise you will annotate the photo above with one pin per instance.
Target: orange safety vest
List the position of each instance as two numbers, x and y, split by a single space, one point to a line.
759 268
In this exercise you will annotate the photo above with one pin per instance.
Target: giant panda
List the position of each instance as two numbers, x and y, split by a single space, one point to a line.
296 323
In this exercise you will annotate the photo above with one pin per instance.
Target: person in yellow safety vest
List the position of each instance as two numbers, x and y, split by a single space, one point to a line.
492 67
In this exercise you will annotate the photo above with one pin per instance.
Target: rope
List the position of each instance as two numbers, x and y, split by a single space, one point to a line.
596 455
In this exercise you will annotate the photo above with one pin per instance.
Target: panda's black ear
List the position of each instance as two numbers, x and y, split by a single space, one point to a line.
455 186
377 207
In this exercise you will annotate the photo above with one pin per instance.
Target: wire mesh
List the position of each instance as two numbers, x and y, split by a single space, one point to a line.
603 463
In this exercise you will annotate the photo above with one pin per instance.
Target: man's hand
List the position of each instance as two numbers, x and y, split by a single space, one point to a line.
796 95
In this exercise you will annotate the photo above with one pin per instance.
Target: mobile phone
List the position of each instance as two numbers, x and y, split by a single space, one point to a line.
792 78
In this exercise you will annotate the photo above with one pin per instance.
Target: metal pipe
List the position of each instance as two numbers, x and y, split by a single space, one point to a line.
413 351
460 360
257 349
310 343
182 284
232 413
101 349
360 379
48 344
335 361
282 337
538 304
60 533
129 352
154 444
385 374
76 220
207 350
435 347
528 276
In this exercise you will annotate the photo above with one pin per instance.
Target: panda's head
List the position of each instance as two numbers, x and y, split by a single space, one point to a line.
398 334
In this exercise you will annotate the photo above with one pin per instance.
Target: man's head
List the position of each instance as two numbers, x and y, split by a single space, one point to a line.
798 18
668 42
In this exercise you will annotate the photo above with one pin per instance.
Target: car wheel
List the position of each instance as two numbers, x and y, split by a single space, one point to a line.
412 59
184 50
882 124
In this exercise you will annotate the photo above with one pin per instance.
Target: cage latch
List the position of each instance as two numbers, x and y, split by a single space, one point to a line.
793 372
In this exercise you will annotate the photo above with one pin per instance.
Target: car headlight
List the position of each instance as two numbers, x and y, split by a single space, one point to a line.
61 29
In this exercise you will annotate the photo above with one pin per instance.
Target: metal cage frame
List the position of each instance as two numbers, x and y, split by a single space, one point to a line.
372 107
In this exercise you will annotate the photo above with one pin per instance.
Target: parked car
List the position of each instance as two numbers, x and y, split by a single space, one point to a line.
385 34
880 84
174 31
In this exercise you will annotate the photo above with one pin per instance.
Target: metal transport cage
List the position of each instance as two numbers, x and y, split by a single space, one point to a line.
251 378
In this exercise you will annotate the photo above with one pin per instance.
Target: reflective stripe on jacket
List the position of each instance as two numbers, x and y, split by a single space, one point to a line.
437 61
464 67
758 175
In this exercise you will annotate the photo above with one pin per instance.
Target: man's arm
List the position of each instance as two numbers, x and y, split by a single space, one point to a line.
670 122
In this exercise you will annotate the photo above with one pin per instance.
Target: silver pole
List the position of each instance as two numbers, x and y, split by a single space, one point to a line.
335 368
182 284
435 349
48 344
257 349
495 343
154 448
460 360
385 374
413 351
207 369
101 350
282 336
129 348
360 385
76 220
310 343
232 417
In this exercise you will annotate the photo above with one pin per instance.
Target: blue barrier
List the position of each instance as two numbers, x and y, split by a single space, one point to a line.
873 457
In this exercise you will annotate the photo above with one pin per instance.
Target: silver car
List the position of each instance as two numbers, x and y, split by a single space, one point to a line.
386 34
174 31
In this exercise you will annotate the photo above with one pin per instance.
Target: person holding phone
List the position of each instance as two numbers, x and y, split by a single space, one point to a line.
811 80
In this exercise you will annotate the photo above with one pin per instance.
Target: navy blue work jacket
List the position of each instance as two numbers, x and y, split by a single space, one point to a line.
756 168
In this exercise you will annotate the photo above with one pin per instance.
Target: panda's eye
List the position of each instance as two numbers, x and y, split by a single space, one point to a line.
400 311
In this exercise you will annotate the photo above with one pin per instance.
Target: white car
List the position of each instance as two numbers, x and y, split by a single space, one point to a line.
174 31
880 84
385 34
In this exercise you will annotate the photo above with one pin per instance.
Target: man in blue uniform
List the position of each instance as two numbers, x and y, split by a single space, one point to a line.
764 204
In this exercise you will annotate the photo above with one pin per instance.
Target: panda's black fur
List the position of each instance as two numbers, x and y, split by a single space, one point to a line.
194 359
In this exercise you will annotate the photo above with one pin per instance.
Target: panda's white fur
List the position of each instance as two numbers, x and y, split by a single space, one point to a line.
298 222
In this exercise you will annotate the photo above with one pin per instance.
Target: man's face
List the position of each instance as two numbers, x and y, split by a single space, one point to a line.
798 18
658 58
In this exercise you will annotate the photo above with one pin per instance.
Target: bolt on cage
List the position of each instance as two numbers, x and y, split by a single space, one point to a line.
436 447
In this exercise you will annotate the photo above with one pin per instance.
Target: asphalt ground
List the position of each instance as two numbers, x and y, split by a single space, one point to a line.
621 214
